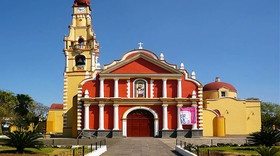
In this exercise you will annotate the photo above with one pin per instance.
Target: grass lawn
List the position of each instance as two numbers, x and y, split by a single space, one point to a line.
245 150
4 150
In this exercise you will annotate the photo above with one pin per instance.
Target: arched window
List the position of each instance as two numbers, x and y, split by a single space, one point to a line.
140 89
80 60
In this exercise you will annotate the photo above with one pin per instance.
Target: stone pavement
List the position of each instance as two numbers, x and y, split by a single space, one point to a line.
140 147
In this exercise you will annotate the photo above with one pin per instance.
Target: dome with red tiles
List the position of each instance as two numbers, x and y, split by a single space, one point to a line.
217 85
82 2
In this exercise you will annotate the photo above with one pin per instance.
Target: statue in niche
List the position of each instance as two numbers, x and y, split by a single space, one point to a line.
140 89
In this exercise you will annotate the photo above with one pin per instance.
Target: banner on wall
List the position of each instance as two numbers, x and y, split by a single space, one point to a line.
188 115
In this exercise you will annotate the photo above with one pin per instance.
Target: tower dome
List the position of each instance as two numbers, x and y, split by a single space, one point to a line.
79 2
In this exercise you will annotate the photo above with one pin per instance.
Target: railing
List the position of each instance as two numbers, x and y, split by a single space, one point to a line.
198 150
80 46
83 150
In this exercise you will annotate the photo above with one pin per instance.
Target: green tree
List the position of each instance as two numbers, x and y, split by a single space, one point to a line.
24 103
8 101
270 115
21 140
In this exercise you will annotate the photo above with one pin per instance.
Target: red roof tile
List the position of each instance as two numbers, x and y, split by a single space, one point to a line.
57 106
218 85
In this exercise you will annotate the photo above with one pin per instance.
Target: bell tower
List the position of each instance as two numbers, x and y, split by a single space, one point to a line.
81 52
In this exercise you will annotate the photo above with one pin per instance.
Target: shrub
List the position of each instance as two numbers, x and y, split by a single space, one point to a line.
21 140
265 137
267 151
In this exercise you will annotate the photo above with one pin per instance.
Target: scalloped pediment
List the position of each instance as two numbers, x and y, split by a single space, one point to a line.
141 64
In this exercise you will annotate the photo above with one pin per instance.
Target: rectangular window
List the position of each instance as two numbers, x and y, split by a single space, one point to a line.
223 94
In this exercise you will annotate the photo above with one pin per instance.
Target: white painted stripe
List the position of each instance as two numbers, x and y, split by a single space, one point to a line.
79 129
79 106
200 103
200 125
79 121
79 103
200 121
199 95
200 118
65 112
200 92
79 113
80 91
200 128
200 114
79 125
65 82
200 110
79 117
200 106
79 110
65 94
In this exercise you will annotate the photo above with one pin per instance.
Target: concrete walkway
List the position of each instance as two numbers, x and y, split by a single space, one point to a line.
140 147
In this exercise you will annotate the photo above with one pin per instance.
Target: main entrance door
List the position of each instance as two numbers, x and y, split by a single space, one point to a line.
140 123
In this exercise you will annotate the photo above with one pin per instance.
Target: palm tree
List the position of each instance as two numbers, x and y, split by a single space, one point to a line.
21 140
265 137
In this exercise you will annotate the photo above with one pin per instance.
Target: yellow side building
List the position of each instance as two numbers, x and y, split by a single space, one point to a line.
235 116
55 119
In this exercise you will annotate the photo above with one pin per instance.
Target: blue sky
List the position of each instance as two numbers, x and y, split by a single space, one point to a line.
236 40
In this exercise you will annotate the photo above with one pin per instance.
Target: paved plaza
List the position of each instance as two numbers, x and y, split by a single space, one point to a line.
140 147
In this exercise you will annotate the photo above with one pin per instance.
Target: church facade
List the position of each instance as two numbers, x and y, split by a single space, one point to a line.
139 95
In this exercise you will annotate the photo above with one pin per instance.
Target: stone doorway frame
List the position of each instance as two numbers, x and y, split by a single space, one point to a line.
156 122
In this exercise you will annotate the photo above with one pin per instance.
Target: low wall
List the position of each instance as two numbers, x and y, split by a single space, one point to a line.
98 152
184 152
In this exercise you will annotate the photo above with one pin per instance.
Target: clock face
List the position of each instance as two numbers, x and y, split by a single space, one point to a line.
81 9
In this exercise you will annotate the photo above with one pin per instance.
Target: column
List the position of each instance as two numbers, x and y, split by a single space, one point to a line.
165 122
195 125
179 124
179 88
101 92
164 88
86 124
116 117
101 116
116 88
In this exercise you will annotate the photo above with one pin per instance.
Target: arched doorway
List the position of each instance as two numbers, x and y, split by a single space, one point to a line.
140 123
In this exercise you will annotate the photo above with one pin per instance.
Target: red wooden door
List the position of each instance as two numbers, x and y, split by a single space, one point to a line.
140 123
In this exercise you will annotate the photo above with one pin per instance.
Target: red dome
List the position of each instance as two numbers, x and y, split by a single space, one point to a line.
218 85
82 1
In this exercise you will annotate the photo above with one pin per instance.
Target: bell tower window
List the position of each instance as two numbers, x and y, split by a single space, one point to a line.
81 41
80 60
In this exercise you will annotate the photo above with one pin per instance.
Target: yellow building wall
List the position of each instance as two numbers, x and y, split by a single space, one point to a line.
15 128
208 118
55 122
234 112
241 117
253 116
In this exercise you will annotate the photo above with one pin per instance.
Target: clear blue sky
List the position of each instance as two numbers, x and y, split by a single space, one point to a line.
236 40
